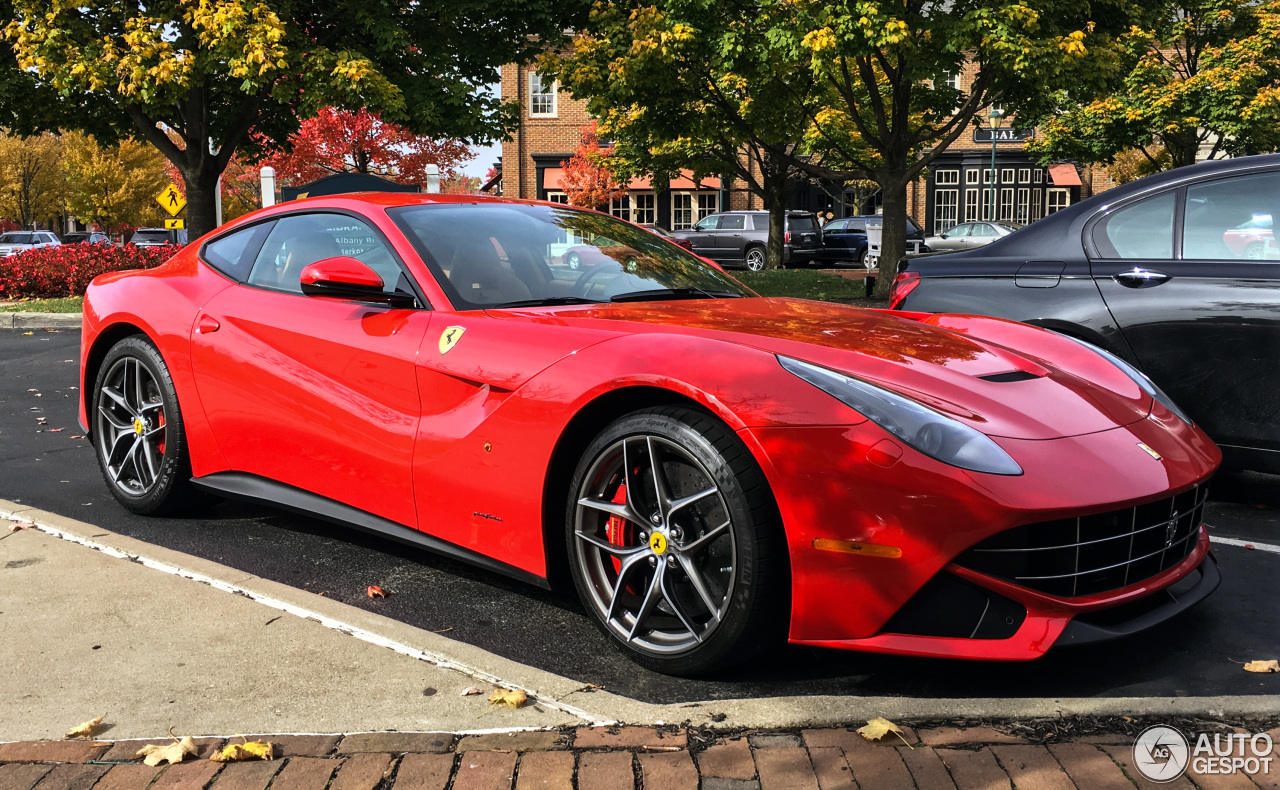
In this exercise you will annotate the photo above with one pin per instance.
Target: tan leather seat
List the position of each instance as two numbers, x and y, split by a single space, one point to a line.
483 279
304 249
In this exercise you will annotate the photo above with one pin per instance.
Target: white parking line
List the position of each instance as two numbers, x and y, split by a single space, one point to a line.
1246 544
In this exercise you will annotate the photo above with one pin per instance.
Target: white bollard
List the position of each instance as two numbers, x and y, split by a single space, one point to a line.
268 176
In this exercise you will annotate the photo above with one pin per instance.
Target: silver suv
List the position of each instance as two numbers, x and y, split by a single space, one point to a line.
16 241
738 238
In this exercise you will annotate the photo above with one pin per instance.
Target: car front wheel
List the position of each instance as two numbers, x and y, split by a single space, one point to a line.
675 544
138 430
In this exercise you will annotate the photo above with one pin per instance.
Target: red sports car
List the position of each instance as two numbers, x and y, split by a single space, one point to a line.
712 469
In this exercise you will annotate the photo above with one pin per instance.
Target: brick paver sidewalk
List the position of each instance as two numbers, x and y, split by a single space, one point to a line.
626 758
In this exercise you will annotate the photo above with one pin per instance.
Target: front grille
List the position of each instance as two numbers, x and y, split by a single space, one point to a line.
1094 554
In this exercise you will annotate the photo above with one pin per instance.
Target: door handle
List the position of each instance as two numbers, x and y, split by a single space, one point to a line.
1141 278
208 324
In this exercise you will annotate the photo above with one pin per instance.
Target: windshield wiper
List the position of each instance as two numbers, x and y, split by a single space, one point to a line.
672 293
549 301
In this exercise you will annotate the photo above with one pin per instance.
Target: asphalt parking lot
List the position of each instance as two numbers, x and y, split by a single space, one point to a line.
49 466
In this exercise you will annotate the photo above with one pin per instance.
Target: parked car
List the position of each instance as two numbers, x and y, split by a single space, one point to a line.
1153 272
16 241
157 237
658 230
86 238
738 238
713 469
969 235
845 240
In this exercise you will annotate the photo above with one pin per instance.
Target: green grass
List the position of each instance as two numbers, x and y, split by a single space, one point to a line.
804 284
73 304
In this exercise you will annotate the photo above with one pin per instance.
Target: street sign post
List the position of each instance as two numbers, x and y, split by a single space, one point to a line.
173 224
171 200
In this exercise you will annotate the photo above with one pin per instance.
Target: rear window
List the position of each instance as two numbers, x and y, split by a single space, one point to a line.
802 223
16 238
150 235
732 222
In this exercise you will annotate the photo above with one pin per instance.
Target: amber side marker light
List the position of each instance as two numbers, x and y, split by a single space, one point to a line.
851 547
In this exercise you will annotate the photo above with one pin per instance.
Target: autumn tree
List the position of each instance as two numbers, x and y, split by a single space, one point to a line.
586 178
213 71
343 141
112 185
460 184
1202 77
31 181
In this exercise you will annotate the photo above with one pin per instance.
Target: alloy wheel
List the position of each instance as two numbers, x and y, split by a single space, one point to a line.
131 427
755 260
574 261
653 538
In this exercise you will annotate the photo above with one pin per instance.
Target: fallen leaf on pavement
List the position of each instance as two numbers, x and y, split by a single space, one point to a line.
85 729
248 750
28 333
15 526
470 691
1263 666
878 728
510 698
154 753
375 591
56 430
33 390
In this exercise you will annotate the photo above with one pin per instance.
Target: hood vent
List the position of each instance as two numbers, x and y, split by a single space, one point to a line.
1011 376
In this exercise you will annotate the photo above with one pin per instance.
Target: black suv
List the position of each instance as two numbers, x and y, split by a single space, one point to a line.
738 238
157 237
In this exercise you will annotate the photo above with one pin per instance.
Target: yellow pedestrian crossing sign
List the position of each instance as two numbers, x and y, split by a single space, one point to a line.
171 200
173 224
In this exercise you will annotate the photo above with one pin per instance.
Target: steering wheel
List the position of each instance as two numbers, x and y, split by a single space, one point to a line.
583 283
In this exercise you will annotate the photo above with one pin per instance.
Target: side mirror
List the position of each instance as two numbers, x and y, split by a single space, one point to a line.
346 278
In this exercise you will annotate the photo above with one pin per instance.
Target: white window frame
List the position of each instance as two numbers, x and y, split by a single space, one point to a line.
1006 205
947 177
971 175
644 208
972 209
708 204
1022 209
1038 176
986 204
621 208
1024 175
558 197
946 209
1052 206
538 92
953 80
1006 175
693 206
987 175
1037 204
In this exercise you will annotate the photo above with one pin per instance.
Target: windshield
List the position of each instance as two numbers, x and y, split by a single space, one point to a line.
500 254
150 235
802 223
16 238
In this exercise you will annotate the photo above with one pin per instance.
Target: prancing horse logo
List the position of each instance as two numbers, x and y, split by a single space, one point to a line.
1171 529
450 337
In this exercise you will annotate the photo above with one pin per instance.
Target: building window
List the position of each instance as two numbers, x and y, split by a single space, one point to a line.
688 208
644 208
1006 205
947 177
1039 176
971 205
986 175
558 197
986 205
1022 213
621 208
1024 175
1006 176
708 204
542 97
1058 200
946 204
953 81
971 176
1037 204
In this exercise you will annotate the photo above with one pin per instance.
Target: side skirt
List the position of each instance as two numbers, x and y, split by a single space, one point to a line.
252 488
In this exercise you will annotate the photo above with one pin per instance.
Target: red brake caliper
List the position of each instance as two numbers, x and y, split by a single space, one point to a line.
620 531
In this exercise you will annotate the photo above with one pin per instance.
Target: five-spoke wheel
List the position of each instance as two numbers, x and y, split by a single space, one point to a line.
665 547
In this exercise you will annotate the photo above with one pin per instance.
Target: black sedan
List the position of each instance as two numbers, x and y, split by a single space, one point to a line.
1154 271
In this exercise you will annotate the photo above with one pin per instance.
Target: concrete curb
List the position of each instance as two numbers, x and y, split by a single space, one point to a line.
33 321
595 705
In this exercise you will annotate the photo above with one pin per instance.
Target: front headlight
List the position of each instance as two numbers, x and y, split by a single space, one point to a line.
928 431
1138 377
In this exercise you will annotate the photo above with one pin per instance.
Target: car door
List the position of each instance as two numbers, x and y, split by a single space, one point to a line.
1202 318
980 235
952 240
313 392
702 235
835 242
728 239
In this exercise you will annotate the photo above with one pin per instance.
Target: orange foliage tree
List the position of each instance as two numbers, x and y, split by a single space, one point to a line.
587 180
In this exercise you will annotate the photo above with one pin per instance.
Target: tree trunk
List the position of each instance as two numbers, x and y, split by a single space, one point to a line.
893 244
776 203
202 205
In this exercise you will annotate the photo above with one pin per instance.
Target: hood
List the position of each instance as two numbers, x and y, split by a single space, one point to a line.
995 389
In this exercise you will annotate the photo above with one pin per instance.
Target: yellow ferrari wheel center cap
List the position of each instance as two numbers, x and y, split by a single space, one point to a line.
138 425
658 542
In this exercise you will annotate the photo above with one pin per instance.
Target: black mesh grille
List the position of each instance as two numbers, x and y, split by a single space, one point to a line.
1094 554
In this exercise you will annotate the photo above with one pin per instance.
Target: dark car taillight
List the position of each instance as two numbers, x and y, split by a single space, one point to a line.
786 237
903 284
685 243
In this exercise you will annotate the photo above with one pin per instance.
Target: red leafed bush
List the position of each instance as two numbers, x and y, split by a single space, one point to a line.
57 272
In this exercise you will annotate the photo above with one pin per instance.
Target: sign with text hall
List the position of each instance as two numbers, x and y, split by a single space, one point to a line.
983 135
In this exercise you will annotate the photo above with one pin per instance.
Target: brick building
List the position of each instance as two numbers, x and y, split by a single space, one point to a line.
958 187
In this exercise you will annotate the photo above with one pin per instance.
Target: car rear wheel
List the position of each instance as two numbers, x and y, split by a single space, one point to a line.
574 261
1255 251
138 430
675 544
755 259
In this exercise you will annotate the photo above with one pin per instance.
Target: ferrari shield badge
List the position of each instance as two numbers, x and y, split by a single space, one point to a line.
450 337
1143 445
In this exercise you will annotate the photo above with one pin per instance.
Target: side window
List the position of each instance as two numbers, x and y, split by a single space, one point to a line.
732 222
835 226
959 231
233 254
982 229
857 227
707 224
303 239
1140 230
1231 219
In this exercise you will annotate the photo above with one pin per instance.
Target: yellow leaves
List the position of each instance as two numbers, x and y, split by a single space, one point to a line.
512 698
85 729
1263 666
1073 44
820 40
246 750
153 754
878 728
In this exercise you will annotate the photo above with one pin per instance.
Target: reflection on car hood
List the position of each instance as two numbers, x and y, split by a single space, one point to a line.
932 365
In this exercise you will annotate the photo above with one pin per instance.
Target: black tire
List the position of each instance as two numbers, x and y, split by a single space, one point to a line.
155 476
751 600
755 257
